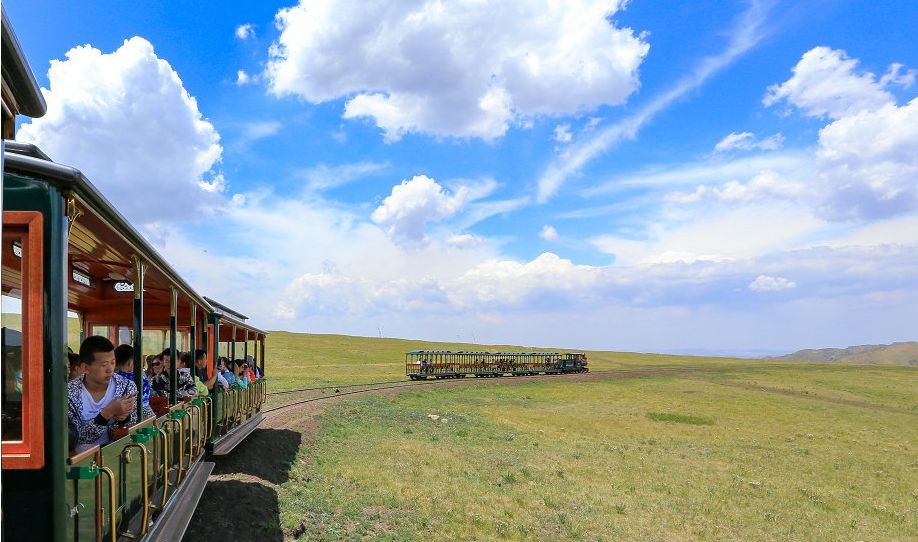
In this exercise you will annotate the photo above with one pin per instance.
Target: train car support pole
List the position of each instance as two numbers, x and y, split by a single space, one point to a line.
233 345
139 271
173 353
262 350
192 335
245 347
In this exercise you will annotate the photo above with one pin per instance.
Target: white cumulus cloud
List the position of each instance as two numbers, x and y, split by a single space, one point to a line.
125 119
245 31
464 69
765 283
406 212
548 233
866 165
825 84
243 78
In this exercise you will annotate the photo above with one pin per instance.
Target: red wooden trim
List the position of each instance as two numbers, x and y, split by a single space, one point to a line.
210 351
29 453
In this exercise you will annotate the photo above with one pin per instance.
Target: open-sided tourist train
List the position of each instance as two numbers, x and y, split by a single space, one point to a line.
69 257
424 364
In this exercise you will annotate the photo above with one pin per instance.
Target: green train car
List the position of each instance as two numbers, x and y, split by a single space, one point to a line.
72 266
424 364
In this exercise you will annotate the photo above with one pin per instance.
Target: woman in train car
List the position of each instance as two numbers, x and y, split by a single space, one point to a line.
239 374
154 367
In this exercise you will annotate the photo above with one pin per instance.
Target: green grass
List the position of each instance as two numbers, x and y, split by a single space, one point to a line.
556 460
679 418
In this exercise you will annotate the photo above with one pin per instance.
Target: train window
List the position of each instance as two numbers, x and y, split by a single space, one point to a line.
22 378
12 358
125 336
99 330
155 341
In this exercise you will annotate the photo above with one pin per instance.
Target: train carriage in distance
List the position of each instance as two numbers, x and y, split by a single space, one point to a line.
72 266
424 364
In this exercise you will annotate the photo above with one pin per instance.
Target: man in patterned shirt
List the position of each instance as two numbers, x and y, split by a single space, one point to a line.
99 399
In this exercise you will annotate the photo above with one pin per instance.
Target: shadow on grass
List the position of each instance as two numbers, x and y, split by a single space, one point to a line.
234 510
239 510
266 454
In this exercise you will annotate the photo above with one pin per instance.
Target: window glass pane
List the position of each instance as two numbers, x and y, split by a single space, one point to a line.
125 336
154 341
97 330
11 338
73 331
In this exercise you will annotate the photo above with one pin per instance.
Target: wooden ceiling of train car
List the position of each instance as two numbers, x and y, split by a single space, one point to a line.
102 276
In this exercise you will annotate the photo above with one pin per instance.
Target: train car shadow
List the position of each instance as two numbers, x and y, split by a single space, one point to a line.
235 505
266 454
236 510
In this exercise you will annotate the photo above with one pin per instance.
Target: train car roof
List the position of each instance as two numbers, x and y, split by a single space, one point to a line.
18 75
225 310
27 159
474 352
226 321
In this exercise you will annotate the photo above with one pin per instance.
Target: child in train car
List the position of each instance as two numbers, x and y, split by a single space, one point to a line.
239 375
226 372
124 365
247 366
100 399
74 370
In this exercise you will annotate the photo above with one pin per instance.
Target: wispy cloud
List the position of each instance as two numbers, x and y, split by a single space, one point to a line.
705 172
325 177
745 35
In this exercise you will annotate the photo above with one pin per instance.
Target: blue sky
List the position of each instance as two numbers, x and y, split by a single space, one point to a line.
704 176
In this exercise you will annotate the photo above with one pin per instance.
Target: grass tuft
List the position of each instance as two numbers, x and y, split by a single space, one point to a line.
679 418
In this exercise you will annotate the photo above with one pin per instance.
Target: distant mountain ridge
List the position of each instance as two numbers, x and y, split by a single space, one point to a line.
904 353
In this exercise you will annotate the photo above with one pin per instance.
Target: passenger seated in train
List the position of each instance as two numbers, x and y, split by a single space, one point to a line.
154 367
253 368
160 385
185 387
239 375
200 364
99 399
74 369
225 371
124 365
249 369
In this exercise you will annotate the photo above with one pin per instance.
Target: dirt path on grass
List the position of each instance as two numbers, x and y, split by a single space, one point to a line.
808 395
241 501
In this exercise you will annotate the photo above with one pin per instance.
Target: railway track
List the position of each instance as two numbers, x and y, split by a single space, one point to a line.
393 384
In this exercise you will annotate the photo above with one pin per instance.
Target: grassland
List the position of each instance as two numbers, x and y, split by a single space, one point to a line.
754 451
585 461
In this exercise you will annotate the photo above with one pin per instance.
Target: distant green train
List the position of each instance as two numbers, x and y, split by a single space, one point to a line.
68 254
424 364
